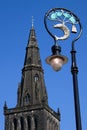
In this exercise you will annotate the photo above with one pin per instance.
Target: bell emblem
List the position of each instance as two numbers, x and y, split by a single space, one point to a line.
74 30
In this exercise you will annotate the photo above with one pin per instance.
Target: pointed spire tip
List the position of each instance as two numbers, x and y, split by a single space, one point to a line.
5 105
32 21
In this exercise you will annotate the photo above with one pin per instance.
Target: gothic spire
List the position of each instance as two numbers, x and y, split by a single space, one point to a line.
32 88
32 111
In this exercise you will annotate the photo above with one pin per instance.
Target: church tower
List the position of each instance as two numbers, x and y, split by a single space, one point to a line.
32 111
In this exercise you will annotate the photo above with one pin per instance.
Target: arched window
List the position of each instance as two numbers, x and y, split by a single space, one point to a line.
29 123
22 123
36 124
27 98
36 78
15 124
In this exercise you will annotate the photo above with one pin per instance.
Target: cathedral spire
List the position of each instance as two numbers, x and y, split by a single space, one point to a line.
32 88
32 111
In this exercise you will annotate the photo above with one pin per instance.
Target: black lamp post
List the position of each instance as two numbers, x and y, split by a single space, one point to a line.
57 18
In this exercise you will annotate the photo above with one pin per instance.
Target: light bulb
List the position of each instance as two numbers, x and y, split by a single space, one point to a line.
57 63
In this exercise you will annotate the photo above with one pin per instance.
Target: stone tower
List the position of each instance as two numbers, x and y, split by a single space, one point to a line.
32 111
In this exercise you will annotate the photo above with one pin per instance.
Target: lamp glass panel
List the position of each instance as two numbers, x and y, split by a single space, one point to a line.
56 63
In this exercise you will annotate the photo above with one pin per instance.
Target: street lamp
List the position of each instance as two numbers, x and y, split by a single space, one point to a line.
54 20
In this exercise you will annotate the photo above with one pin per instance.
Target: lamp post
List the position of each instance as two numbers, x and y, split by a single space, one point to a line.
58 18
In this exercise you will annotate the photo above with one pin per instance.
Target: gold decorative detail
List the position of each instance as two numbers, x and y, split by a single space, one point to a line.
64 29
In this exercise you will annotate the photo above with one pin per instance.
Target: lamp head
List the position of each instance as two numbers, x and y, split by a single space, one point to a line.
56 60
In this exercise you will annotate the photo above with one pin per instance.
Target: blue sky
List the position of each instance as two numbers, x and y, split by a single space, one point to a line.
15 24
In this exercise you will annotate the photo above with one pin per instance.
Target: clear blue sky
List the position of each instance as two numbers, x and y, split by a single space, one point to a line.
15 24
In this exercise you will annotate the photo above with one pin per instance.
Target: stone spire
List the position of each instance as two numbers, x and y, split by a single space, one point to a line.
32 88
32 111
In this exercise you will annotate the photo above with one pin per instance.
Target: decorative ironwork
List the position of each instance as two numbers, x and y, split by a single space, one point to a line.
61 19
